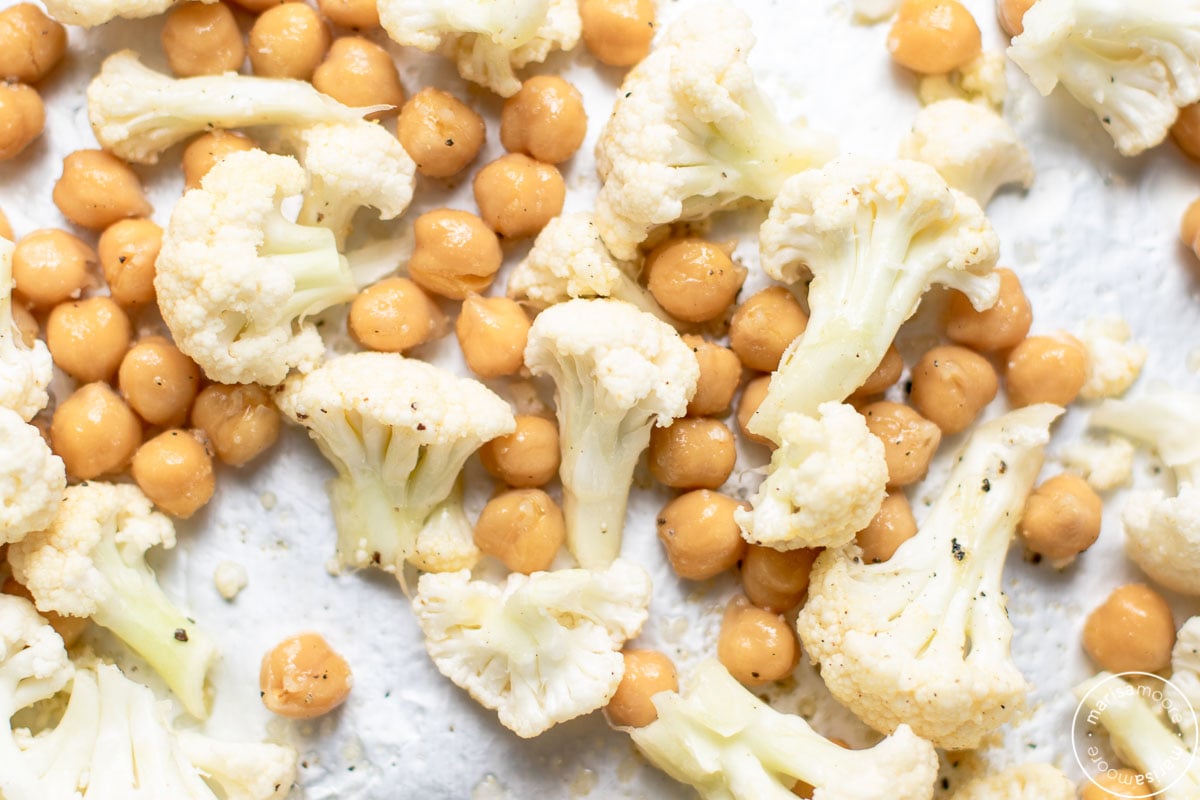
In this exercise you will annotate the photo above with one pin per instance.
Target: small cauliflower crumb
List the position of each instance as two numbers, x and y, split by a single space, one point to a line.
1114 362
870 12
230 578
1105 462
982 81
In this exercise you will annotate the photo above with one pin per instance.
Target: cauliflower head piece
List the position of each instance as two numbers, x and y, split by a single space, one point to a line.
1114 362
1105 462
1022 782
1185 676
32 479
90 13
982 81
25 371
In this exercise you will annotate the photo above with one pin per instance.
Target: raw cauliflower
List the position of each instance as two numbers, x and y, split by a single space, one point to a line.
1022 782
1185 674
25 371
1114 362
982 81
32 479
90 13
446 542
1104 462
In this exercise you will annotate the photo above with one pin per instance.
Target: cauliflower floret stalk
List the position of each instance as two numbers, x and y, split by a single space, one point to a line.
1134 65
1162 534
874 237
398 431
137 113
91 562
691 133
446 542
32 479
726 743
25 372
541 649
1022 782
923 638
236 280
618 372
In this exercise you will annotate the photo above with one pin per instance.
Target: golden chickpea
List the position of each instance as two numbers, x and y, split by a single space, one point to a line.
998 328
1189 228
288 41
159 382
202 39
1061 518
617 32
97 189
1116 784
1011 13
454 253
647 672
50 266
1131 631
763 327
25 323
884 376
175 471
692 453
88 338
526 458
752 397
6 231
524 528
693 280
258 6
699 534
31 44
517 196
909 440
69 628
395 315
203 153
720 371
544 120
128 252
951 385
776 579
934 36
1046 369
891 527
1186 131
94 432
240 421
361 15
755 645
22 118
492 332
303 677
440 132
358 72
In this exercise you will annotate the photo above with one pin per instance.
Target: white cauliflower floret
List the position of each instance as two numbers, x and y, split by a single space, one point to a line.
726 743
973 148
1114 362
90 13
1104 462
542 649
1185 674
691 133
446 542
1133 64
236 280
1022 782
488 40
826 482
874 236
617 372
25 372
32 479
924 637
982 80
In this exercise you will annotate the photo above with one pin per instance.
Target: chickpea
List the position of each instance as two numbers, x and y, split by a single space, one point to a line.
358 72
693 280
692 453
1011 13
524 528
128 253
885 375
1061 518
159 382
617 32
647 672
203 153
544 120
1117 784
755 645
258 6
492 332
1186 131
752 397
1189 228
934 36
454 253
395 315
951 385
94 432
202 39
1046 369
909 440
25 323
360 15
891 527
69 628
88 338
517 196
288 41
240 421
50 266
440 132
776 579
763 327
97 189
22 118
699 534
303 677
526 458
31 44
720 371
6 231
1131 631
998 328
175 471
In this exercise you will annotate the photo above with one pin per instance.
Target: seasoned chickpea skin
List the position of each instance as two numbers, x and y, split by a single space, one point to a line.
202 39
203 153
361 15
951 385
544 120
1011 14
358 72
454 253
909 440
647 672
97 189
31 44
302 677
1186 131
524 528
751 399
763 327
998 328
128 251
617 32
891 527
526 458
720 371
50 266
693 280
6 231
699 534
517 196
776 579
88 338
1131 631
288 41
755 645
22 118
159 382
175 471
94 432
440 132
692 453
934 36
395 315
1119 784
1061 518
239 420
492 332
884 376
1046 369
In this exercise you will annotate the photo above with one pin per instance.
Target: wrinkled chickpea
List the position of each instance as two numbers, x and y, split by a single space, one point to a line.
693 280
617 32
175 471
50 266
692 453
933 37
720 371
526 458
998 328
203 153
288 41
454 253
647 672
763 327
357 72
1118 784
909 440
202 39
951 385
752 397
441 133
700 536
88 338
1186 131
544 120
884 377
31 44
755 645
492 332
97 189
22 118
240 421
517 196
891 527
1046 369
159 382
128 251
524 528
1061 518
94 432
361 15
395 315
776 580
303 677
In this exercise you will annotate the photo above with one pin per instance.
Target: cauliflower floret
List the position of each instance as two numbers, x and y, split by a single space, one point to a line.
446 542
691 133
923 638
1185 675
1114 362
982 81
90 13
617 372
1022 782
1104 462
826 482
973 148
236 280
32 479
872 11
1133 64
726 743
25 372
542 649
230 578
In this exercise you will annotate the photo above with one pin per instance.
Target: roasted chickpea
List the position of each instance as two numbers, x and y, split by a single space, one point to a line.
1186 131
763 327
998 328
440 132
1046 369
97 189
258 6
94 432
454 253
88 338
128 252
395 315
1116 784
69 628
288 41
358 72
492 332
202 39
891 527
752 397
720 371
693 280
302 677
524 528
647 672
1011 13
692 453
50 266
699 534
31 44
22 118
1131 631
951 385
240 421
175 471
1189 228
755 645
544 120
776 579
517 196
25 323
361 15
934 36
884 376
526 458
909 440
1061 518
617 32
159 382
6 231
203 153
